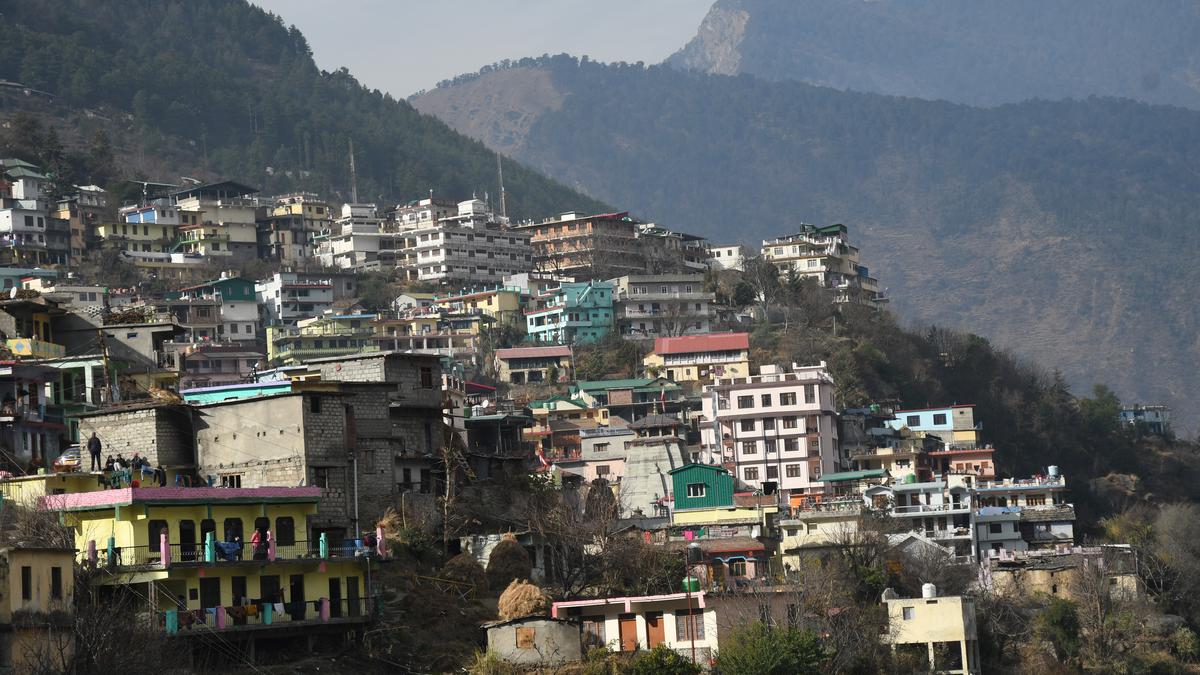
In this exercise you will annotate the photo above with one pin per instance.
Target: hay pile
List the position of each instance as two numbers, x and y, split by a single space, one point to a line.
508 561
521 599
465 569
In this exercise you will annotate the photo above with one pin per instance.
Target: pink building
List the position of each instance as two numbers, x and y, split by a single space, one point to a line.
775 427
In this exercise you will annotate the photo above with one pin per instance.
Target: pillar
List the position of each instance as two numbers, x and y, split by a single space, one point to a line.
164 549
932 658
270 546
324 545
112 551
324 611
221 617
210 547
268 613
965 649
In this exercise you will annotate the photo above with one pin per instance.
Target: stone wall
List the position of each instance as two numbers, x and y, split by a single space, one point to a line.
161 434
401 370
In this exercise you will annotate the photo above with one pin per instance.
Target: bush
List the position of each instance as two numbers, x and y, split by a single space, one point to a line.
509 561
487 663
1185 644
662 660
760 650
1059 624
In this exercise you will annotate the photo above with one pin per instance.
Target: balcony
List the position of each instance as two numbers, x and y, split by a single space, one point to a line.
262 615
136 558
36 348
1022 484
922 509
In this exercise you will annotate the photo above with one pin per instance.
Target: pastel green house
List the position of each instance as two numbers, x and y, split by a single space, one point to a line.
701 486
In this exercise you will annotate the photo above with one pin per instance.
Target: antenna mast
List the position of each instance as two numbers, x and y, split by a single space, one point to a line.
503 200
353 175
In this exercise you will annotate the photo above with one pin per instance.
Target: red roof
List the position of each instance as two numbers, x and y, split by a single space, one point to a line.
709 342
533 352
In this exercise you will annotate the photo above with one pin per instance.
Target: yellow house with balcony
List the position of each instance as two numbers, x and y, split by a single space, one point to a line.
319 337
234 560
37 591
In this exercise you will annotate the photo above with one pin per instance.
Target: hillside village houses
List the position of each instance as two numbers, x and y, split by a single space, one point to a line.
280 405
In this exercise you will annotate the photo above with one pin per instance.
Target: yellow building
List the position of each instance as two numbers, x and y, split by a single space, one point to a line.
37 591
691 358
138 237
319 337
502 304
943 629
190 556
818 525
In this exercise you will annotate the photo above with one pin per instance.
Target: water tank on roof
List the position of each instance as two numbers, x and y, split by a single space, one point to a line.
928 591
1052 471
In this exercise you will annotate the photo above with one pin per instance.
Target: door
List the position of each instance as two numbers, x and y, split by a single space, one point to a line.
655 632
238 589
268 587
352 602
627 627
187 541
297 601
210 592
335 597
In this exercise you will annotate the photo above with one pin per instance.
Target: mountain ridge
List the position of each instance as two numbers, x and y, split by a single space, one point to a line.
1044 225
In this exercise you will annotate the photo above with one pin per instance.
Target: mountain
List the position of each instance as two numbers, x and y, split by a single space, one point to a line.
1066 231
225 89
982 53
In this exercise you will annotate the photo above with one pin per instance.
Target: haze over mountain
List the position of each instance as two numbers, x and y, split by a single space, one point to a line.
982 53
1063 230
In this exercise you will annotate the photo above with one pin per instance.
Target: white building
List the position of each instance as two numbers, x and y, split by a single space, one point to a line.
288 297
929 621
469 246
727 257
775 427
680 621
662 305
357 241
825 254
218 220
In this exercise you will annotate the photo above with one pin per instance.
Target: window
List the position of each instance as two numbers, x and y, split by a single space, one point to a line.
790 423
747 425
737 568
321 477
593 631
602 470
285 531
766 400
745 402
939 418
909 613
749 448
792 470
769 424
689 624
787 398
750 473
231 480
810 393
769 445
1035 500
912 421
695 489
233 529
426 377
26 582
772 472
995 528
56 583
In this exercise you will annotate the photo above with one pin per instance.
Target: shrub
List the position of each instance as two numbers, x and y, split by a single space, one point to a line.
1185 644
487 663
1059 624
509 560
761 650
662 660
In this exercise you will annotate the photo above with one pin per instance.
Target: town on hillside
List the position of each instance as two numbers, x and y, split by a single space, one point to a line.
268 429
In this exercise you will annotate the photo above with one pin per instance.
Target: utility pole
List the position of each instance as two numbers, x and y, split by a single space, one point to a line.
503 196
353 175
109 394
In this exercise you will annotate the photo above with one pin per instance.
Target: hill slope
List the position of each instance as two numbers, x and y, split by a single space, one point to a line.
1065 231
242 93
971 52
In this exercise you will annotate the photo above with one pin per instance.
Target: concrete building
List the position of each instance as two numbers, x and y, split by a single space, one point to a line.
319 337
693 358
682 621
530 365
825 254
941 628
287 297
502 303
1155 419
218 220
535 641
162 433
37 609
1045 518
469 246
574 313
28 233
286 230
587 247
82 211
727 257
662 305
357 241
774 430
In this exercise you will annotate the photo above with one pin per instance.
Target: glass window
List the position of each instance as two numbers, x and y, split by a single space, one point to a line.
769 424
745 402
939 418
788 398
912 421
792 470
909 613
747 425
689 623
772 472
695 489
790 423
766 400
749 448
750 473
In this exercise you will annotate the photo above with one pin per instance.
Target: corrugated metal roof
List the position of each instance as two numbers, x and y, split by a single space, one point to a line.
533 352
709 342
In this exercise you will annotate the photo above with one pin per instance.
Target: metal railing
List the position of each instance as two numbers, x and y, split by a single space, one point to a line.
262 612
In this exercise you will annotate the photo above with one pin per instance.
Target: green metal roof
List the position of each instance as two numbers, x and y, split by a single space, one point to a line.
852 475
635 383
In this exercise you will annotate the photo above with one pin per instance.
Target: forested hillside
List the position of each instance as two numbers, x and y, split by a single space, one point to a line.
227 90
1062 230
972 52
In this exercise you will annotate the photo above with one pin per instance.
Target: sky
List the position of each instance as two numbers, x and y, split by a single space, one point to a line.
404 46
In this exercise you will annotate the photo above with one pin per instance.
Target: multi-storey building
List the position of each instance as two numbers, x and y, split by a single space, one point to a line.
28 233
37 609
662 305
1155 419
955 426
824 254
578 312
149 228
286 297
1034 511
236 307
587 247
82 211
775 429
322 336
286 232
692 358
357 241
469 246
501 303
218 219
534 365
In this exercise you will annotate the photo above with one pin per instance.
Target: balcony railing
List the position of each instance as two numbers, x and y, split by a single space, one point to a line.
917 509
263 612
186 553
36 348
